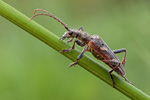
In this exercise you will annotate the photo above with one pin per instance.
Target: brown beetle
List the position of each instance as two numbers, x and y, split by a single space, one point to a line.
93 44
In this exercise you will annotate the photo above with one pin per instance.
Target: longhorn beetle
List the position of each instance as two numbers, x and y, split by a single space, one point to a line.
93 44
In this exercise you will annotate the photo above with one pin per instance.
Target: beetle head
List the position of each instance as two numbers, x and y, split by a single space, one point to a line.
69 34
66 35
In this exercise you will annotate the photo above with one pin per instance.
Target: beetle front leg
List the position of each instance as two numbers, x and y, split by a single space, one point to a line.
79 57
69 40
76 41
119 51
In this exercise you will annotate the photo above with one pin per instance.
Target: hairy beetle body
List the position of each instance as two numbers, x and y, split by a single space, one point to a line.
93 44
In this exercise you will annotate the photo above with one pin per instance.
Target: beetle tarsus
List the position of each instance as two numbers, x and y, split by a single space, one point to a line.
127 80
73 64
66 50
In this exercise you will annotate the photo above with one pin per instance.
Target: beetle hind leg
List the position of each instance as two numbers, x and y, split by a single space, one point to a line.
117 65
112 78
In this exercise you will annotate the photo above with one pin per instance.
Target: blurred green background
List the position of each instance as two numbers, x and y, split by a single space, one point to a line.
30 70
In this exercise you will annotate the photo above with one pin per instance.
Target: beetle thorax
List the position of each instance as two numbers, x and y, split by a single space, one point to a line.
84 37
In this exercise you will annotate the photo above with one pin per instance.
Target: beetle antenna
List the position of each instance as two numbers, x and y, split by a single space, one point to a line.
50 15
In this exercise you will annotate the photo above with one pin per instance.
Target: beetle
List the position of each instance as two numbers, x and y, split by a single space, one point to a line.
93 44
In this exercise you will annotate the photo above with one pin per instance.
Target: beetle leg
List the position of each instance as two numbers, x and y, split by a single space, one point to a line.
79 57
76 41
112 79
112 62
119 51
127 80
81 28
112 76
69 40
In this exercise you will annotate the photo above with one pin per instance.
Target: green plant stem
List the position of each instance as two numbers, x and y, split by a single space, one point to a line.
53 41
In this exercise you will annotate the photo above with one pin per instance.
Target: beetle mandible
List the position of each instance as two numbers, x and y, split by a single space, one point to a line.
93 44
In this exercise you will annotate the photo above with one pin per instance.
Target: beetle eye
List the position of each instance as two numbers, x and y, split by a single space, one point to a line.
70 33
84 39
